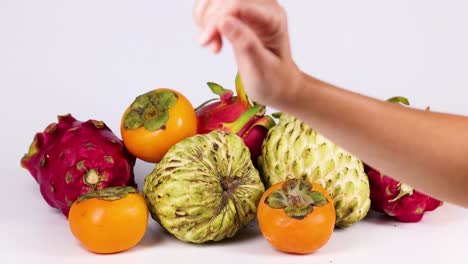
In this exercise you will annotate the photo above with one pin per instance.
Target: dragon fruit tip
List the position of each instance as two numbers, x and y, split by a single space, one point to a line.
65 117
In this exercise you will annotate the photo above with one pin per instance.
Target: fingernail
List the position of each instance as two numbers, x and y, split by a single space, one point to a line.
214 47
203 38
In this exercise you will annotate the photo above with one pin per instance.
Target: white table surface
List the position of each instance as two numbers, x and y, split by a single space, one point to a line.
91 58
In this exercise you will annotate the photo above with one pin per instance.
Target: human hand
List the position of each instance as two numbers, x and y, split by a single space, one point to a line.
258 33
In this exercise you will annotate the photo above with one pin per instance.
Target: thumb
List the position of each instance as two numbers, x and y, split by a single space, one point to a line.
249 51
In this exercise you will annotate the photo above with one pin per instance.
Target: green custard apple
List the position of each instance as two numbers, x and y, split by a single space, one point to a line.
294 150
205 188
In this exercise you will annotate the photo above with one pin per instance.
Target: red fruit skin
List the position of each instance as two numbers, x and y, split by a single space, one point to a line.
409 208
226 110
223 113
253 139
60 158
215 115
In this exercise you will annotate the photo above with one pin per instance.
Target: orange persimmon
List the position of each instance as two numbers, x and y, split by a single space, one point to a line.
110 220
296 216
155 121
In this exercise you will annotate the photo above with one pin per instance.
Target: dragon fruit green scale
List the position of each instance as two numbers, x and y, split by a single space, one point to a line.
292 149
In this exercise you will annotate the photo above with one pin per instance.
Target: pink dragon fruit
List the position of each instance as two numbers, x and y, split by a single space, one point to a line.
397 199
71 158
235 114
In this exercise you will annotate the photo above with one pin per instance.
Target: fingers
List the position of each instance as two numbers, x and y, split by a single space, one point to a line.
207 14
248 49
199 9
211 37
216 44
208 32
264 17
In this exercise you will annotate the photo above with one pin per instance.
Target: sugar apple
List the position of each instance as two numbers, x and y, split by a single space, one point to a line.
294 150
205 188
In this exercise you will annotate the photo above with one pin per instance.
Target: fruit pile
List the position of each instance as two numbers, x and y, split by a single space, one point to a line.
216 169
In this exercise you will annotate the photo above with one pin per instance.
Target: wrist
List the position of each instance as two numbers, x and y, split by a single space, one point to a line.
290 88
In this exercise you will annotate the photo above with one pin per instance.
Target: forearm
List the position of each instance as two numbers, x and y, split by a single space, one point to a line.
424 149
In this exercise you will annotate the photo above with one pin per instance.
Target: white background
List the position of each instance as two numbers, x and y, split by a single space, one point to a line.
92 57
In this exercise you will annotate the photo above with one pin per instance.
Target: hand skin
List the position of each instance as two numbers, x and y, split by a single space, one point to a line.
427 150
